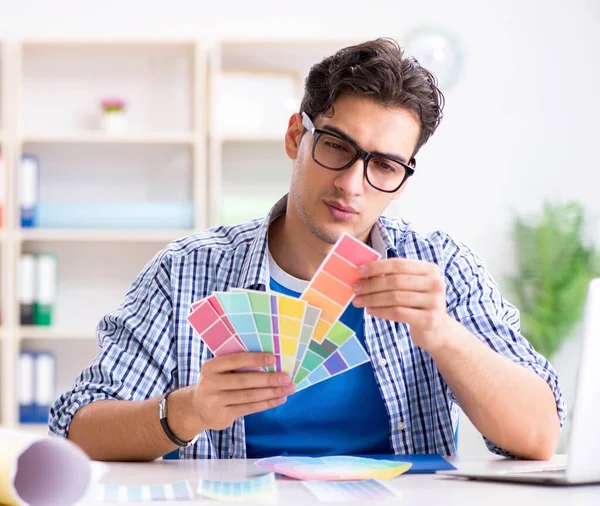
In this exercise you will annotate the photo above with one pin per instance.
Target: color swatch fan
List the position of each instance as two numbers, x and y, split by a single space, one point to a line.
334 468
305 334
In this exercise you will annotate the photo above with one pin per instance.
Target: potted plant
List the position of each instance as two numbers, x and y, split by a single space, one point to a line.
554 266
114 113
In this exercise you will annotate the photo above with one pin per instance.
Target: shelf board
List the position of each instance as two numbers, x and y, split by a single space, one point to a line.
37 428
101 235
102 138
39 332
250 137
107 43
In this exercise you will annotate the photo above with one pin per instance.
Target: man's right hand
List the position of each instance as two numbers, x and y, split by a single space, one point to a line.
222 394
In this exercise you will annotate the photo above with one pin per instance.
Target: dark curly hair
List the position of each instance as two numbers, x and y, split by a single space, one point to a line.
379 70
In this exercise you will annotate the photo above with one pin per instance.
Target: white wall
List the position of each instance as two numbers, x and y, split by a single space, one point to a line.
520 126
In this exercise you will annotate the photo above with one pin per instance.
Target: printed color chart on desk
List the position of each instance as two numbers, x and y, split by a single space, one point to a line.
255 489
180 491
331 287
368 490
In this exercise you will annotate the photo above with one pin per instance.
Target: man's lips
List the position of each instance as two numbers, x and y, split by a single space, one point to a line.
341 207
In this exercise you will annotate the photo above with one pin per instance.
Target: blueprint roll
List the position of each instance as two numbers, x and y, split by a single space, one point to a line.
29 175
26 288
39 470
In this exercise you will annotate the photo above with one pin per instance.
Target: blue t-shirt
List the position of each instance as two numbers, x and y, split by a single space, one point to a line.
344 415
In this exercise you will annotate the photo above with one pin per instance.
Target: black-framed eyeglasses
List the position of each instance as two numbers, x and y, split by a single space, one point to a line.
334 152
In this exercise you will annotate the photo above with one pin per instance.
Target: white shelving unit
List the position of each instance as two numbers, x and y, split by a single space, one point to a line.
54 90
246 169
176 147
7 341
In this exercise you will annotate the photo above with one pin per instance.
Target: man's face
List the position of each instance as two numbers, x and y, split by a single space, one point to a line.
329 202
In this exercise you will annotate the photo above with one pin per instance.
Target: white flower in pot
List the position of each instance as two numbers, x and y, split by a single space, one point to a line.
114 115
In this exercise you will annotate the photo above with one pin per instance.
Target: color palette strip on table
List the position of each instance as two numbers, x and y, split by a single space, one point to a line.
334 468
348 356
262 488
330 289
179 491
367 490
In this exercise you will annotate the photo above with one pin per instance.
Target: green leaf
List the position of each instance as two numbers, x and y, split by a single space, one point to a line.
553 268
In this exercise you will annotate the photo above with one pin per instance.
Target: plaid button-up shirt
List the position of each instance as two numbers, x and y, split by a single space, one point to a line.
148 347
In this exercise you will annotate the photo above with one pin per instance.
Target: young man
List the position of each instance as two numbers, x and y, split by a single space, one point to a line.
437 330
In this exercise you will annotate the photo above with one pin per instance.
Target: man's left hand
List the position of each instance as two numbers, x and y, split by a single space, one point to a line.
406 291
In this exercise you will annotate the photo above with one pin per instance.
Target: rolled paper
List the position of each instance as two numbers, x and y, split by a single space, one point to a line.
39 470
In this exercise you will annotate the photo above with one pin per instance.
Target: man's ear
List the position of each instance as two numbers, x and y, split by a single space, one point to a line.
293 135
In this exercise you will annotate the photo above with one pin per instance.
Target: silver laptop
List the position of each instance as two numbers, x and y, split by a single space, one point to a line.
583 461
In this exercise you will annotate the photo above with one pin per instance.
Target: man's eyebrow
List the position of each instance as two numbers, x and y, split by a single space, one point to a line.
344 135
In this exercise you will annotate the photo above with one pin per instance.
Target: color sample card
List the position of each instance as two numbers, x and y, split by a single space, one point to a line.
239 311
285 324
290 318
330 289
334 468
317 353
214 302
265 321
259 489
368 490
180 491
215 329
348 356
311 318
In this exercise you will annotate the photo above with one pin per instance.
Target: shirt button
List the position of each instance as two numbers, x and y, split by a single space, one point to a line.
382 362
401 426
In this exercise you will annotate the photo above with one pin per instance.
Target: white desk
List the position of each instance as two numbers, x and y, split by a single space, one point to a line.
427 490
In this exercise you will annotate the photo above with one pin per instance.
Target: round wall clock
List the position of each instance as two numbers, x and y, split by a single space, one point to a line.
437 51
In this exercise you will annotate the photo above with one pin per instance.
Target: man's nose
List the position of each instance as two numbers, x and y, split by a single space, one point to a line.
352 180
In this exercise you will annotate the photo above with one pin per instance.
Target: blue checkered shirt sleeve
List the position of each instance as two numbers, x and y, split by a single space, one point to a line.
137 357
474 300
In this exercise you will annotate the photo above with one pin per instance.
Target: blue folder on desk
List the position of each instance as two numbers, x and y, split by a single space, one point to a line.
421 464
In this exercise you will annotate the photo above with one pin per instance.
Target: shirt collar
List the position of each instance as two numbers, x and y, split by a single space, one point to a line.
255 269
